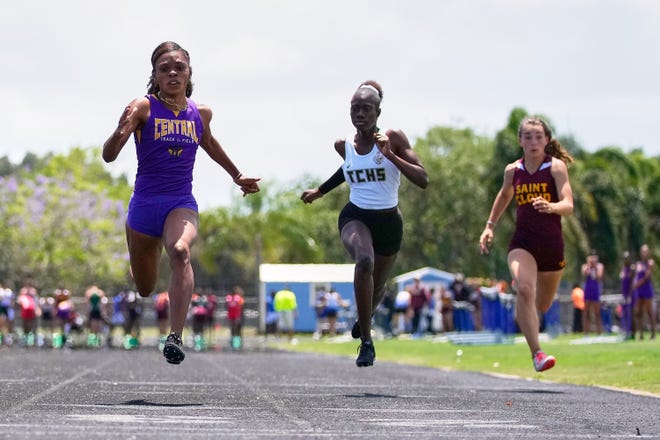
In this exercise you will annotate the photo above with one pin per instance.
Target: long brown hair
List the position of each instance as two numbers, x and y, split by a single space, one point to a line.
553 148
163 48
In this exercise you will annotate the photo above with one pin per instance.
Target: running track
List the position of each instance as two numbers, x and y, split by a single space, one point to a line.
115 394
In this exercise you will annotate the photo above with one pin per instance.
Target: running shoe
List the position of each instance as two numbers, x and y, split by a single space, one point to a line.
173 350
542 361
355 331
367 354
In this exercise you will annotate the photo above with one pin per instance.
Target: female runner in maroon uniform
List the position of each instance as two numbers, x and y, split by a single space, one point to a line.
539 182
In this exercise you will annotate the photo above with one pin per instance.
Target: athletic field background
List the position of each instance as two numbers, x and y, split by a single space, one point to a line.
628 365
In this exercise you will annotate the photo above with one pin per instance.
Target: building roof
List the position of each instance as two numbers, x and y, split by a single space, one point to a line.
425 273
306 273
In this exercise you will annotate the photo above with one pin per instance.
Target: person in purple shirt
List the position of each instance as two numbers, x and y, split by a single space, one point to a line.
644 293
592 271
167 127
626 277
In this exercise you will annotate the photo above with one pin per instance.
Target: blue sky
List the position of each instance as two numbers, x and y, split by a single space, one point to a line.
279 74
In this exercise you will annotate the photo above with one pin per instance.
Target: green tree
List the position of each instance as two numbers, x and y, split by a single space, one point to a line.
62 215
443 222
60 224
271 226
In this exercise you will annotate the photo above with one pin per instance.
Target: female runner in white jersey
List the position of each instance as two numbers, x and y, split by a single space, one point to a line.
370 225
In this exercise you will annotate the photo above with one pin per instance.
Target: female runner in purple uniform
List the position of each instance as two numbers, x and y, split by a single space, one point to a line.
167 127
539 182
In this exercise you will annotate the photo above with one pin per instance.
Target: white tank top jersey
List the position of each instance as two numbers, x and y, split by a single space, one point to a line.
373 179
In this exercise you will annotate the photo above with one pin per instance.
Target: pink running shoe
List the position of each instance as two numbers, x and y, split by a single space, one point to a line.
542 361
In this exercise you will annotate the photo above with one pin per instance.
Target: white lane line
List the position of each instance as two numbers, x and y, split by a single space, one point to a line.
406 410
144 408
17 408
285 385
275 404
133 418
465 423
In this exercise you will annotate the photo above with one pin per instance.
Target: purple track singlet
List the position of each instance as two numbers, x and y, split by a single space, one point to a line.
166 147
645 291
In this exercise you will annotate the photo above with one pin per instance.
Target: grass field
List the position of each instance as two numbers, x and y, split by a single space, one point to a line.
630 365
